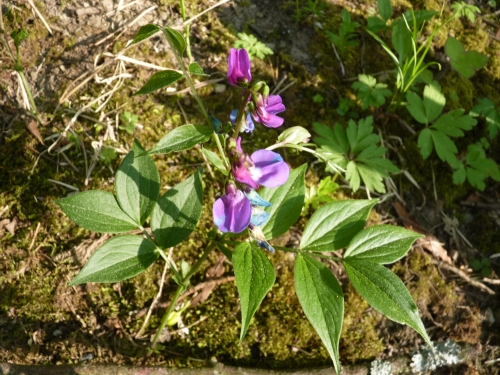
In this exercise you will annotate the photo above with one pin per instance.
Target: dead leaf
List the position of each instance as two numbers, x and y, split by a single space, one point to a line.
32 126
409 221
11 227
432 244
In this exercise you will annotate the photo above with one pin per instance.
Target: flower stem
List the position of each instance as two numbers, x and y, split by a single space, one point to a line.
190 83
239 117
180 289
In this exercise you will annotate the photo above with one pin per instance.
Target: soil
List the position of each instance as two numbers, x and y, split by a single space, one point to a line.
44 321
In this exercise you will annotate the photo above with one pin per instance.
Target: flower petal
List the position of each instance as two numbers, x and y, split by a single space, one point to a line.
256 199
232 212
275 104
259 217
270 170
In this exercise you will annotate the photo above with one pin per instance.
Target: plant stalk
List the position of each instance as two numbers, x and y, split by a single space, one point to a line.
180 289
190 83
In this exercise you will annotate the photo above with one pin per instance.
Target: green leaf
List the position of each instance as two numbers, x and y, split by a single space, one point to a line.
381 244
445 148
182 138
434 102
352 175
385 292
401 39
97 211
177 212
334 225
255 276
19 36
287 201
375 24
425 143
158 81
384 9
322 300
454 122
466 63
119 258
145 32
177 39
137 184
416 107
371 93
294 135
194 68
215 160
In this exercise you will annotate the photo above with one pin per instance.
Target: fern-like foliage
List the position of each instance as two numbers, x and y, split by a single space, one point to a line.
355 150
254 47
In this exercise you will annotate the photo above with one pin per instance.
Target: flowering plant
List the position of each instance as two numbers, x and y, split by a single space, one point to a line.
262 199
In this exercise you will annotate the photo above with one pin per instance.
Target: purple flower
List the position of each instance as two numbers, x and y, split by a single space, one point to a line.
238 72
266 110
232 211
247 125
263 167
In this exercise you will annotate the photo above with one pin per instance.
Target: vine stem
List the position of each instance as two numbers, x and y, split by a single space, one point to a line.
190 83
180 289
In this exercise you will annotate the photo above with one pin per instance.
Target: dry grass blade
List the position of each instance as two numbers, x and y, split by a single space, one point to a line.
30 2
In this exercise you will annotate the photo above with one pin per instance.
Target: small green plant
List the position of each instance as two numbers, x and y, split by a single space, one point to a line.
316 196
477 167
346 36
129 120
254 47
486 108
481 265
371 93
462 9
355 150
345 106
108 154
437 135
313 7
318 98
464 62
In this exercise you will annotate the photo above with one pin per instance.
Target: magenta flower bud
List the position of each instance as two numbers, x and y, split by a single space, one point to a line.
232 212
266 110
238 72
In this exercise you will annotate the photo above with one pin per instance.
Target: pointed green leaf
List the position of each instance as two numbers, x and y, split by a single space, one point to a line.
194 68
145 32
119 258
445 148
416 107
385 292
287 201
137 184
381 244
182 138
384 9
401 39
177 39
334 225
322 300
255 276
215 160
177 212
97 211
352 175
159 80
425 143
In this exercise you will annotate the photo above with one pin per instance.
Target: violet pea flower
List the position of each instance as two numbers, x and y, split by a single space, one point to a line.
266 110
232 211
263 167
247 126
238 72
